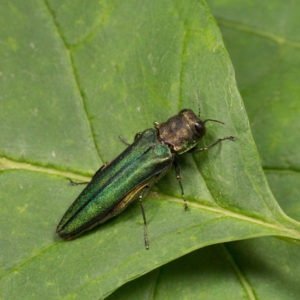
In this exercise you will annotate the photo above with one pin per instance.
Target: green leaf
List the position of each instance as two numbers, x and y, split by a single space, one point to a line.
91 72
261 268
265 268
285 186
269 35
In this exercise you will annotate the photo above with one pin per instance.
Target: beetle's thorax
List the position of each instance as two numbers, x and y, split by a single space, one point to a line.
179 132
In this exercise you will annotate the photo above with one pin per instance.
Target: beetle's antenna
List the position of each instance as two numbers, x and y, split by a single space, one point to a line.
213 120
198 102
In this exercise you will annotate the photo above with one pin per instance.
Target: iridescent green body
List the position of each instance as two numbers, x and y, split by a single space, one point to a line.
129 176
143 162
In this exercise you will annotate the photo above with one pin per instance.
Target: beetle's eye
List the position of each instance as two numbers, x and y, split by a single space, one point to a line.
200 129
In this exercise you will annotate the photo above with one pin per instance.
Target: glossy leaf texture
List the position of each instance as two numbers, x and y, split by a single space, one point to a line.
74 76
263 42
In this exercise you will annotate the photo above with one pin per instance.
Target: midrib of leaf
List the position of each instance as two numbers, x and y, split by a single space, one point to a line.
75 75
244 283
8 164
275 38
232 214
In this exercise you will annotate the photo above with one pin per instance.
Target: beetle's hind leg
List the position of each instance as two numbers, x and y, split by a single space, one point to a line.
178 177
86 182
141 196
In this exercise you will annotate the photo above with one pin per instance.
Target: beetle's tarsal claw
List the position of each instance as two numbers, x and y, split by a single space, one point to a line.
230 137
71 181
186 206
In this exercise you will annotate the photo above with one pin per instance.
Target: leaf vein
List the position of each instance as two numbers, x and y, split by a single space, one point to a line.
273 37
10 164
75 75
245 284
280 169
226 212
185 35
15 269
155 284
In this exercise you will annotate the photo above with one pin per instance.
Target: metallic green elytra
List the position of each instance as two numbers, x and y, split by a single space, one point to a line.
129 176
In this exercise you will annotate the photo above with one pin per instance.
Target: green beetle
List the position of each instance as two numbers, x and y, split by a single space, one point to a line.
130 175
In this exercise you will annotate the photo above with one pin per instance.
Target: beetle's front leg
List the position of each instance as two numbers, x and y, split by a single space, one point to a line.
178 177
123 140
213 144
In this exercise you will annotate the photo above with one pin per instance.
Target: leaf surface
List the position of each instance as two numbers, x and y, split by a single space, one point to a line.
68 90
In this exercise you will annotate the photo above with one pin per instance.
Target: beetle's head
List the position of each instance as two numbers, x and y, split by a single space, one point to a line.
183 131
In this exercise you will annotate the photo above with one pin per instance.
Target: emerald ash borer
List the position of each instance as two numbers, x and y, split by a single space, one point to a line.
130 175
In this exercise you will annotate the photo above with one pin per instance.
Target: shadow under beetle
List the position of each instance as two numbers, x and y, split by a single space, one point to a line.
130 175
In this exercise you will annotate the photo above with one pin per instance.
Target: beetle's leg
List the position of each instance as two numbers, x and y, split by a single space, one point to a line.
213 144
123 140
86 182
137 135
77 183
144 216
178 177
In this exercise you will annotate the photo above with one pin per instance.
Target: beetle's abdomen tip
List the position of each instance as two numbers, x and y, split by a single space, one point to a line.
59 232
64 235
